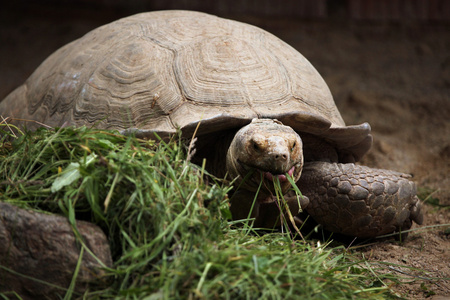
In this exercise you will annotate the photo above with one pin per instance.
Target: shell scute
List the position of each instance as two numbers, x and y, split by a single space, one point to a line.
159 71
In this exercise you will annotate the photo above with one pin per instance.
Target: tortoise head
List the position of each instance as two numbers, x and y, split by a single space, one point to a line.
264 150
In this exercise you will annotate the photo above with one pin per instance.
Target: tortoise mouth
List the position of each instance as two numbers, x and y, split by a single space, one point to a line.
255 175
281 177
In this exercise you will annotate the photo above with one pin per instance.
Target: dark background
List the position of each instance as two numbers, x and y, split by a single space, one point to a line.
386 62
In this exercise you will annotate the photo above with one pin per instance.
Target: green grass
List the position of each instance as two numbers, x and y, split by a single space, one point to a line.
426 194
169 227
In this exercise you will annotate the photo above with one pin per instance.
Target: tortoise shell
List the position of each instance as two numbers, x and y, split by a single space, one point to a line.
160 71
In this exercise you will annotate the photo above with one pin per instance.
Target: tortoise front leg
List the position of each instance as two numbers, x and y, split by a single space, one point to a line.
359 201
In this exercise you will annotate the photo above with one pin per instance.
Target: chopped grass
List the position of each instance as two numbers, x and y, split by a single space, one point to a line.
170 231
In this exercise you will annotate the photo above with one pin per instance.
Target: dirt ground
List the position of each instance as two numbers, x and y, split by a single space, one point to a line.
396 76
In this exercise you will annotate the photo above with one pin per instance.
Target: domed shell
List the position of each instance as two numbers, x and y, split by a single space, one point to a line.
159 71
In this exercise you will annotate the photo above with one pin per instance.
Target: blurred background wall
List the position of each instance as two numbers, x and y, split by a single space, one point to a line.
436 10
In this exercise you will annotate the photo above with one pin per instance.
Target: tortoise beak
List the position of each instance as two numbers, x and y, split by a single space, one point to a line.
267 179
281 177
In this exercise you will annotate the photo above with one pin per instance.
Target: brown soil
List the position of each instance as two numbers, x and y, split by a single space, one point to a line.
396 76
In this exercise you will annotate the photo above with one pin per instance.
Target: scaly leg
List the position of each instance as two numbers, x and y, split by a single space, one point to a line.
359 201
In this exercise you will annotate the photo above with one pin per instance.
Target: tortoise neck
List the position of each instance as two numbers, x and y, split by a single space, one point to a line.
214 147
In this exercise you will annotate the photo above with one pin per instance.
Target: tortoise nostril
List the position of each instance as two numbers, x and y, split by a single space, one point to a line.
255 146
280 156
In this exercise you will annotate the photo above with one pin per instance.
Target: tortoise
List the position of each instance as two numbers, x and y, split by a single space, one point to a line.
259 110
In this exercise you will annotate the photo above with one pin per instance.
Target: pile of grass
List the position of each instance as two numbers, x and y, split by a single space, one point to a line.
170 231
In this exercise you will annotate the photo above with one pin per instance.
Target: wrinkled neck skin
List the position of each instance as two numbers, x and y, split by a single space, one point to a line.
261 152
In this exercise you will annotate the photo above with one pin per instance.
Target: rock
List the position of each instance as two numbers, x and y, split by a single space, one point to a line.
38 247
